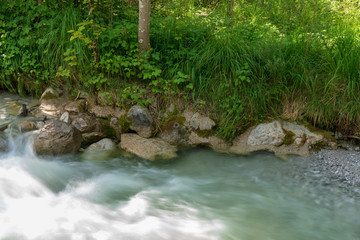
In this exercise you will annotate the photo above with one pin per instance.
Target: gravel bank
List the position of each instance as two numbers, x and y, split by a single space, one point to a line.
335 171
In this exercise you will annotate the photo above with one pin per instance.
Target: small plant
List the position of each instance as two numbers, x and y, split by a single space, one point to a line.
135 95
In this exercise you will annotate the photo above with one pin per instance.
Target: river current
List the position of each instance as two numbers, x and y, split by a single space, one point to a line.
199 195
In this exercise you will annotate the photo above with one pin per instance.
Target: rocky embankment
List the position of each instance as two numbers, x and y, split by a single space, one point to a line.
68 125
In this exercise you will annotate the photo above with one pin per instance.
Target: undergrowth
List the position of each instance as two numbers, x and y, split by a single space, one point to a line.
293 59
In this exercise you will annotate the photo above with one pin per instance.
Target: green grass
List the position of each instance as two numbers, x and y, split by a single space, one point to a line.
248 68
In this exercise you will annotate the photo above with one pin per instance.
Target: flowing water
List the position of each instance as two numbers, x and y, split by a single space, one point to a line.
199 195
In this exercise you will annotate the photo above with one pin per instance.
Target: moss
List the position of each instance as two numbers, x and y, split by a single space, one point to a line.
205 133
109 131
289 137
179 119
124 123
327 135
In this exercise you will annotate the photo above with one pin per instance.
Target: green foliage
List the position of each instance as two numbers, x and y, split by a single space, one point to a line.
243 65
135 95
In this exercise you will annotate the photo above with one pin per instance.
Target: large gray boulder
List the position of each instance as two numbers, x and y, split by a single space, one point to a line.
57 138
146 148
141 121
281 137
267 134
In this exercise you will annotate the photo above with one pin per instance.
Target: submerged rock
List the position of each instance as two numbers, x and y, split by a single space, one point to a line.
57 138
141 121
213 142
146 148
105 144
27 125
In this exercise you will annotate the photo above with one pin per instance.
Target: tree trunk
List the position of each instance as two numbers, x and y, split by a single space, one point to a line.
144 26
231 8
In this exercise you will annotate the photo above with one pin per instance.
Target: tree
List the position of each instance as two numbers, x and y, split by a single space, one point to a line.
144 26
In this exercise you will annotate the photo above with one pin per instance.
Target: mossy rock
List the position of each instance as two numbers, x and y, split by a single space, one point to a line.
124 123
327 135
205 133
109 131
289 137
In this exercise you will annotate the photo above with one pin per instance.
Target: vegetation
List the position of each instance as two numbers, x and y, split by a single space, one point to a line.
247 60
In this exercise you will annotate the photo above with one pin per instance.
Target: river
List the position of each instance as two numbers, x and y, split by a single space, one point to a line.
199 195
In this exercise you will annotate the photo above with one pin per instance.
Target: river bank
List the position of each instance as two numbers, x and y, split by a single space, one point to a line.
327 167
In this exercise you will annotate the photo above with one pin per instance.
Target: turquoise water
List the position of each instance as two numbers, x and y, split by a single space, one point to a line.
200 195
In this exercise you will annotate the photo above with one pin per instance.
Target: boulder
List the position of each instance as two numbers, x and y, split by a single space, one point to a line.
202 123
187 114
267 134
65 117
50 103
281 137
105 144
27 125
146 148
76 107
175 134
114 124
49 93
57 138
213 142
141 121
92 130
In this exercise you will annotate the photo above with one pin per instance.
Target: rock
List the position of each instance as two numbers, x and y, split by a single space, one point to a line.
4 125
201 123
65 117
57 138
175 134
91 137
281 137
213 142
267 134
27 125
40 124
49 93
105 144
50 103
187 114
114 124
149 149
92 130
141 121
171 109
76 107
